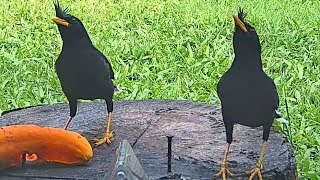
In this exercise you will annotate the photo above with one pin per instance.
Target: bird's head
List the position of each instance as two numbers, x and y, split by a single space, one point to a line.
245 38
71 29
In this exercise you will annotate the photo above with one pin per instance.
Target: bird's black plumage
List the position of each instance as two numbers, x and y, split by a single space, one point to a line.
248 95
84 72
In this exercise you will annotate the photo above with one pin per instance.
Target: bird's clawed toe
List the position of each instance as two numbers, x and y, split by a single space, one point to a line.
224 172
255 172
106 139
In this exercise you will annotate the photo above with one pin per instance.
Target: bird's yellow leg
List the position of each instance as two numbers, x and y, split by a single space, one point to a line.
107 135
257 170
224 171
68 122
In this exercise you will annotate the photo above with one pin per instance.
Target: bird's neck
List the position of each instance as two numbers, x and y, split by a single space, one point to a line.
252 62
82 43
77 41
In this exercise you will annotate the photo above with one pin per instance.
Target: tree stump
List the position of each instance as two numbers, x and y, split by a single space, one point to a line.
198 143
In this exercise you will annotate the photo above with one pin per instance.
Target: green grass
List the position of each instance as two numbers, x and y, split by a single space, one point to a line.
170 50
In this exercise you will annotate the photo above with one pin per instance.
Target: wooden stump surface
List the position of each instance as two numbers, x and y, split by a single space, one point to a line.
198 143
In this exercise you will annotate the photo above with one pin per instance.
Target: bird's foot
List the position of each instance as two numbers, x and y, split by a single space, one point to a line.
105 139
255 172
224 172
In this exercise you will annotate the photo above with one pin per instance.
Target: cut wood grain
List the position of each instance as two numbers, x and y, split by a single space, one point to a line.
198 143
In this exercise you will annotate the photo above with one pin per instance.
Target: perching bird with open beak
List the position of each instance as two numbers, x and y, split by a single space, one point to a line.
84 72
248 96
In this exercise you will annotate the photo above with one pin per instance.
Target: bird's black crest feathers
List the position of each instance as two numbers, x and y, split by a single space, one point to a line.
59 12
241 15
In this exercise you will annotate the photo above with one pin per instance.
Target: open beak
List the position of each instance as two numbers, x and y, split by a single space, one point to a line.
60 21
239 23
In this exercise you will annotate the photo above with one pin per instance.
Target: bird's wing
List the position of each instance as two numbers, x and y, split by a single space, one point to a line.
278 115
275 101
274 94
98 61
109 66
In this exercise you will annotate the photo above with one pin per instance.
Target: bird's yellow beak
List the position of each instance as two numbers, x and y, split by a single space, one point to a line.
60 21
239 23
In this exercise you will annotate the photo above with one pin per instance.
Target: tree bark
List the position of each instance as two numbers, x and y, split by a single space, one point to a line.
198 143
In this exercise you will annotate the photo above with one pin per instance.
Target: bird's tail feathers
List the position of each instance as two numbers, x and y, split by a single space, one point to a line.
280 118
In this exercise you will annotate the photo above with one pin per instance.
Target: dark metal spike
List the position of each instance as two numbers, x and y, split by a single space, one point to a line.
169 152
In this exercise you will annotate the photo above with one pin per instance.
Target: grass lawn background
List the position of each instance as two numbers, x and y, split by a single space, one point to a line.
170 50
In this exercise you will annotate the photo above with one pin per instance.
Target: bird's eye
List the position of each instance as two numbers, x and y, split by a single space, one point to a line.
73 20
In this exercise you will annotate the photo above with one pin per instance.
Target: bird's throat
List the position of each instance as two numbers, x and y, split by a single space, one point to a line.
78 44
248 62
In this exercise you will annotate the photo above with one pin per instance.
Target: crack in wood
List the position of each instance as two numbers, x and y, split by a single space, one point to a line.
145 130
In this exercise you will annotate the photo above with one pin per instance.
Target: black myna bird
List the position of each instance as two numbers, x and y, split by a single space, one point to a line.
248 96
84 72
